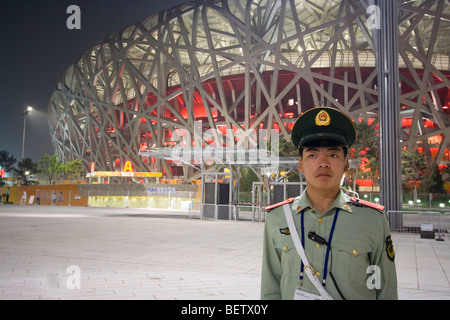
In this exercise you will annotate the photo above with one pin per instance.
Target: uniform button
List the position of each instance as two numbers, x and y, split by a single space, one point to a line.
320 219
299 208
318 245
355 252
318 273
284 248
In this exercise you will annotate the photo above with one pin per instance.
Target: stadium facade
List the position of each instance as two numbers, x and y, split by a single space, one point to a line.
239 65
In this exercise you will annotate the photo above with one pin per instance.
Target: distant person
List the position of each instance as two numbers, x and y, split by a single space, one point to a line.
7 195
24 197
38 197
60 198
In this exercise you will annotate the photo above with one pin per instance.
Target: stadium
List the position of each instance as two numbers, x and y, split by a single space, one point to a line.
232 66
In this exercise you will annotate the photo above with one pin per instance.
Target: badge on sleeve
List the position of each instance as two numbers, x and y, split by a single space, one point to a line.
390 248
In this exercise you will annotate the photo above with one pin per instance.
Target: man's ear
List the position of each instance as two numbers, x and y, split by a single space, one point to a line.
300 165
347 165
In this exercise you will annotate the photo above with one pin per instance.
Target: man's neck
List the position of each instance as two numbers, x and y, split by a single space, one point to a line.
321 200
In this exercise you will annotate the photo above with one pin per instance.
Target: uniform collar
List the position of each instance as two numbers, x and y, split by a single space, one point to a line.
302 202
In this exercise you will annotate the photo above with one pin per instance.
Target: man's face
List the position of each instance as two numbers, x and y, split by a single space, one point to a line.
323 167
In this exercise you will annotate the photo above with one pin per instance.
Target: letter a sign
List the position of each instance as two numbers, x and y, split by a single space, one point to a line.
127 167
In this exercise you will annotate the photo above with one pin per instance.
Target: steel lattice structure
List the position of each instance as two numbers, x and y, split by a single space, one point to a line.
245 64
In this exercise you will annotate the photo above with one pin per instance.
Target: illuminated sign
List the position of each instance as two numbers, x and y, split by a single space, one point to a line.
124 174
2 173
127 167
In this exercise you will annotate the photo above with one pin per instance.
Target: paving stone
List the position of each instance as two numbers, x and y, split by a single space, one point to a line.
121 254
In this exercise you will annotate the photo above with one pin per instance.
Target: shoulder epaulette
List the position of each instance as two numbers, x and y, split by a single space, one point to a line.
279 204
363 203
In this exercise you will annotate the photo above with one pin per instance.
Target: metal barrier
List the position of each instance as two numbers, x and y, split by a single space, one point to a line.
253 212
413 221
228 212
407 221
444 225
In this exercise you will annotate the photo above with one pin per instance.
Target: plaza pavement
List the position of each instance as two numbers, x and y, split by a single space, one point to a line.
51 252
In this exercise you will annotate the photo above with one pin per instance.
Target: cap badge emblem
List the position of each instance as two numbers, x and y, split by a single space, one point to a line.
323 118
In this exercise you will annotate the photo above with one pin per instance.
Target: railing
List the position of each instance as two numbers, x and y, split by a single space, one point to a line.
415 221
239 212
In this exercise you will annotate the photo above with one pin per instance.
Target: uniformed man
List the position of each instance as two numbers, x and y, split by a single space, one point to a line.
347 241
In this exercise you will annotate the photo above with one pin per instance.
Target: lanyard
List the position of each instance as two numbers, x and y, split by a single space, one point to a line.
325 268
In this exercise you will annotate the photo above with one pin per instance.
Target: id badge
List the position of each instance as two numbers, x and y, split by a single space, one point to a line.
303 295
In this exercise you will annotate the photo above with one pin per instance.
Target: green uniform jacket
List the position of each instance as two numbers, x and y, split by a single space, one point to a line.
361 252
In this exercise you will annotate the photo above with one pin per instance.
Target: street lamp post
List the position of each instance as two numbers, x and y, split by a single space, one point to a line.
25 113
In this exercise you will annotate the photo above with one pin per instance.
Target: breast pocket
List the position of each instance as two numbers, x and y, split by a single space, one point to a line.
351 259
290 260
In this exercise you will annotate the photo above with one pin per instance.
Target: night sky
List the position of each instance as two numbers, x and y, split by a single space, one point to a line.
36 49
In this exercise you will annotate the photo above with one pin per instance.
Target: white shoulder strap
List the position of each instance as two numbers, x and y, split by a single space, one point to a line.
298 245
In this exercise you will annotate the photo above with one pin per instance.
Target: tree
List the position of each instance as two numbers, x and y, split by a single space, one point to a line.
287 148
50 167
246 179
433 183
6 162
365 152
414 167
367 143
26 168
74 169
